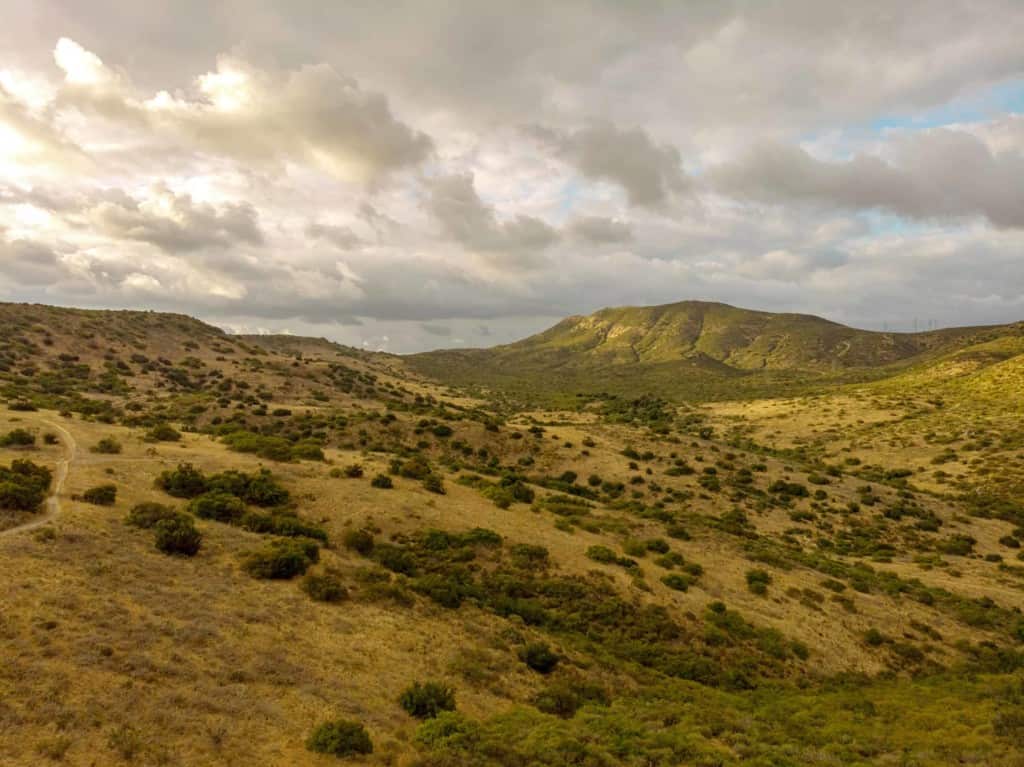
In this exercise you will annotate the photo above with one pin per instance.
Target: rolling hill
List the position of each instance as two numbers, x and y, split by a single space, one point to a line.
696 350
225 549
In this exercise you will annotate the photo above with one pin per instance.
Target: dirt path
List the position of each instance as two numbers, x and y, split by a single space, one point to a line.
60 475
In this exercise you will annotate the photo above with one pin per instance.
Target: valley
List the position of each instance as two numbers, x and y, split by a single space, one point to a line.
689 534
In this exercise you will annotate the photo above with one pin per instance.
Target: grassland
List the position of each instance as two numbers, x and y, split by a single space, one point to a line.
822 579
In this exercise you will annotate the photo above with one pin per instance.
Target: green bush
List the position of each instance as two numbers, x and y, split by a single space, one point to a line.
146 515
259 489
427 699
108 446
307 451
325 587
382 481
758 581
163 432
218 506
281 559
271 448
23 485
448 729
360 541
676 581
658 545
539 657
282 523
563 699
18 438
101 495
602 554
340 738
177 535
432 483
186 481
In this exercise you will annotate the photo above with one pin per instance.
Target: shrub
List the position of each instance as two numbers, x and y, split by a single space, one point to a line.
340 738
282 523
678 532
433 484
874 637
326 587
108 446
448 729
564 699
307 451
271 448
529 555
539 657
186 481
281 559
217 505
177 535
262 490
382 481
658 545
676 581
23 485
757 581
634 547
146 515
101 495
163 432
18 438
427 699
359 541
353 471
957 545
601 554
50 438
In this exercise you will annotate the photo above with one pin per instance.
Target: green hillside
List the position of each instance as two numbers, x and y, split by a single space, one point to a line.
696 350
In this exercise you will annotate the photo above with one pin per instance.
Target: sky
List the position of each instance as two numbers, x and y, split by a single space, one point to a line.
411 175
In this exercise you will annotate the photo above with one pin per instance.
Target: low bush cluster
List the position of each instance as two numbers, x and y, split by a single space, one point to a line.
282 559
340 738
23 485
425 700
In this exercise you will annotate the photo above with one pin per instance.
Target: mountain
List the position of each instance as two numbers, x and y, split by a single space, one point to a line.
695 348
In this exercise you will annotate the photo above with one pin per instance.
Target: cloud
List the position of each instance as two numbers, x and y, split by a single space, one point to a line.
176 223
598 230
340 236
29 263
442 331
465 218
648 172
360 164
312 115
941 173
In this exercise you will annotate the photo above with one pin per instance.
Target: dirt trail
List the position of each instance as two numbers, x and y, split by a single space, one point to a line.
60 475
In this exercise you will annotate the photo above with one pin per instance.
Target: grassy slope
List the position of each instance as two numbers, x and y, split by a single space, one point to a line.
117 648
696 351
